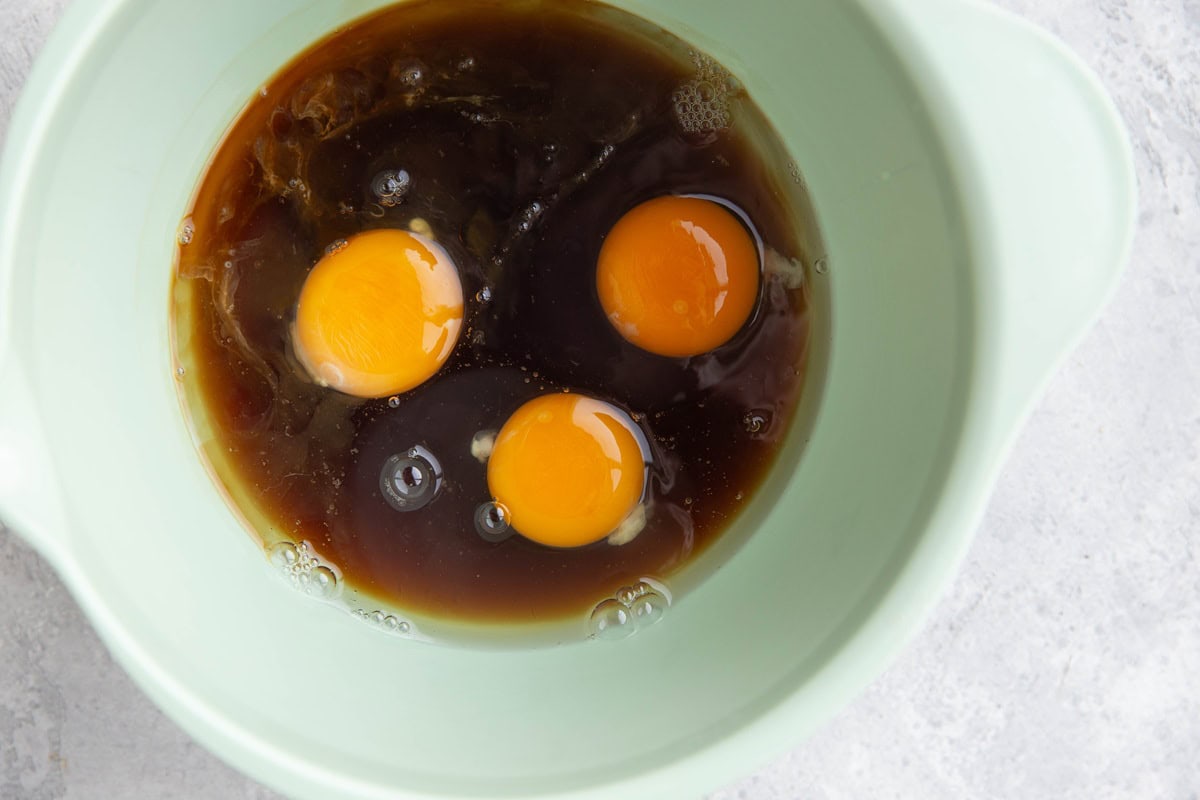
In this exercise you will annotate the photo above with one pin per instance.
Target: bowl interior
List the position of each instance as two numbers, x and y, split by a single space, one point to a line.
295 691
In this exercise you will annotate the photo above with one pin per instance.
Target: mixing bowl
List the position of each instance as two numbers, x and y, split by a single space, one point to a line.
974 190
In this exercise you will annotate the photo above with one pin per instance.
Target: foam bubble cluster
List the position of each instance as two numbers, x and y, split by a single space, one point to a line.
387 622
702 104
302 568
529 216
630 609
187 231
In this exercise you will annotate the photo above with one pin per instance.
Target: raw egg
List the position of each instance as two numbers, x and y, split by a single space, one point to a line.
379 314
678 276
567 469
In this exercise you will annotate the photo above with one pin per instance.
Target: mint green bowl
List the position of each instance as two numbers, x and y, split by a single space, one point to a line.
974 189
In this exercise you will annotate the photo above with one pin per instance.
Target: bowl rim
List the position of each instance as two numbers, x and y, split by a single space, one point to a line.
913 585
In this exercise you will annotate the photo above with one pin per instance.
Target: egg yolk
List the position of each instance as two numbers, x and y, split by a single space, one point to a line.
678 276
379 314
567 469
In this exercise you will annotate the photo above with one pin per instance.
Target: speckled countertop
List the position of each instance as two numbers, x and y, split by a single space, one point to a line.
1064 661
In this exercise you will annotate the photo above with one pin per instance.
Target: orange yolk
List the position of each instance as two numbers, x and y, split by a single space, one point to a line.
678 276
379 315
567 469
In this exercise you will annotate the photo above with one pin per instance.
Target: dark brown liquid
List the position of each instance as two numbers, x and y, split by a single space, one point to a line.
526 131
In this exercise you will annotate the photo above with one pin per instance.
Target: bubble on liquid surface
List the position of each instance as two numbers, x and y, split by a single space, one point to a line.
492 522
394 401
299 564
323 583
756 421
631 609
484 295
336 247
647 585
283 554
391 186
410 480
822 266
649 608
612 621
187 232
410 74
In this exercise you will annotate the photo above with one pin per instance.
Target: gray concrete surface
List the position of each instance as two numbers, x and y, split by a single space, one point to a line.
1063 663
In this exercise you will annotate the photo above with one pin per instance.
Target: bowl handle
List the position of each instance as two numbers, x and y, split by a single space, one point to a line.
1054 174
29 502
